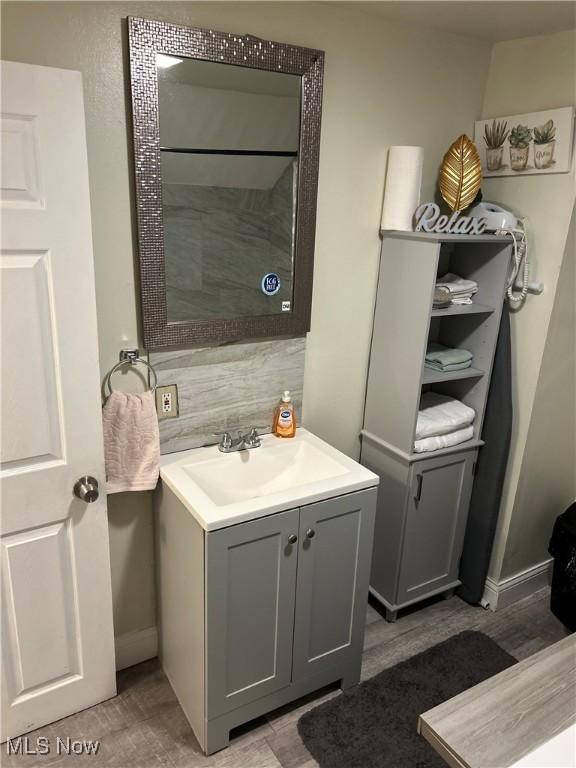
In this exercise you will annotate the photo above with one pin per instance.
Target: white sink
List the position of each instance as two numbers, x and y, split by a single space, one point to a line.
250 474
220 489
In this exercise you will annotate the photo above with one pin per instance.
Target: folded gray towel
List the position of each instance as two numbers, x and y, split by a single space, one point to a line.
456 284
442 356
446 368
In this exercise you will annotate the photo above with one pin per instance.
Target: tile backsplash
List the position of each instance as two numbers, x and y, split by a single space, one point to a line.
225 388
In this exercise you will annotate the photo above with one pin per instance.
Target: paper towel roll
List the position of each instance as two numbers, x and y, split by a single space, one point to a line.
402 191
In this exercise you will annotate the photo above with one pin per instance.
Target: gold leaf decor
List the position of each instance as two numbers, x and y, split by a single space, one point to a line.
461 174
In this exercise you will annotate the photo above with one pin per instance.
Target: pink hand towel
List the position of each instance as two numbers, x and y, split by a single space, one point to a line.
131 442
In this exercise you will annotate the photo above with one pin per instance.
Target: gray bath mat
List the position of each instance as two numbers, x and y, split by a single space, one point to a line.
374 724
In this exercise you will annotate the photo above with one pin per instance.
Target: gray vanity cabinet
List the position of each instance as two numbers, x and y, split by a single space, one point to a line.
257 614
436 512
250 595
333 566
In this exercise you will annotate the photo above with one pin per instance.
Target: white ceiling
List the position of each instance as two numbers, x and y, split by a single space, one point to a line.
492 20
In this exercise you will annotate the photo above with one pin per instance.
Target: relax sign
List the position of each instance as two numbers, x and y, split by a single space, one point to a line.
429 219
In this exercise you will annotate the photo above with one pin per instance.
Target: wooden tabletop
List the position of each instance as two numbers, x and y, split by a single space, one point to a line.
497 722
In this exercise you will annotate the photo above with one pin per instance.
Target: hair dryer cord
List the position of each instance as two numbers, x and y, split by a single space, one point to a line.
519 261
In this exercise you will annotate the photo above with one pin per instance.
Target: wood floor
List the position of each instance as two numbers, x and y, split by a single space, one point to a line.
144 727
526 704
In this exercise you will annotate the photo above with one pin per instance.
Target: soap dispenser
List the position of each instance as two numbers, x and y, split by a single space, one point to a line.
285 418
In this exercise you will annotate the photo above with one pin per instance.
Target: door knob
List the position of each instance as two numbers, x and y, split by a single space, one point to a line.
292 539
310 533
86 489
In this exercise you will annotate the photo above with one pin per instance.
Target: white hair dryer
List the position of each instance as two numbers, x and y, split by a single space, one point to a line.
503 222
497 218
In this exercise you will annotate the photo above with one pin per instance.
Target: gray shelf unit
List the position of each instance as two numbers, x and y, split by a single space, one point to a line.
423 498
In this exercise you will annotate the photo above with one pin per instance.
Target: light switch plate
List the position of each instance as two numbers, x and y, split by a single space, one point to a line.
167 402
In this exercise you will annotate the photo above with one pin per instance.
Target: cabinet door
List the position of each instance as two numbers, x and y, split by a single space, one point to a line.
335 550
439 494
250 592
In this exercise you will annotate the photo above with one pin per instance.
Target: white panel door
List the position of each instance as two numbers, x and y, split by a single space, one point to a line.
57 635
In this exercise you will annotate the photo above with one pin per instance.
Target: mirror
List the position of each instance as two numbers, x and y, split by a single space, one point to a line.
226 140
228 188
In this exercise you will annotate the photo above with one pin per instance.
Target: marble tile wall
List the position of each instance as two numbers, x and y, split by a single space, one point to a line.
226 388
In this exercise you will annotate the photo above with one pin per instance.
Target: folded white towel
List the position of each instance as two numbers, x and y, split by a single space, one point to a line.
440 414
456 284
443 441
131 442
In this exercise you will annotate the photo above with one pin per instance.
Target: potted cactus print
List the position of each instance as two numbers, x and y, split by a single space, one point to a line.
520 138
544 143
494 137
536 142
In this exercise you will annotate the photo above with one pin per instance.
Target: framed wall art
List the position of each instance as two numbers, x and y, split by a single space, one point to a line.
532 143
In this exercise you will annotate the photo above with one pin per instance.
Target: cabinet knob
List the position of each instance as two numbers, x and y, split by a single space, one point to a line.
310 533
292 539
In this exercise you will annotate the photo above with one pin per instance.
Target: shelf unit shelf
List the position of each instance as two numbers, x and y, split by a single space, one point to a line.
430 376
462 309
423 498
469 445
439 237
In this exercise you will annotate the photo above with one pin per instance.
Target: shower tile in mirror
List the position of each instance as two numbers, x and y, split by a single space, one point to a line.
229 146
220 242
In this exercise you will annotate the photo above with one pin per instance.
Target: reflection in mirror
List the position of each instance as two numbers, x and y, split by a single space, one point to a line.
229 141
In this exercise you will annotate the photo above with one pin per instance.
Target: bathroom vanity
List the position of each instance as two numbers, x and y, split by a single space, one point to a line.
263 570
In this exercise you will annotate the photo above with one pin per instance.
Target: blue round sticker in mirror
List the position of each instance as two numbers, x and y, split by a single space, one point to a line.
270 284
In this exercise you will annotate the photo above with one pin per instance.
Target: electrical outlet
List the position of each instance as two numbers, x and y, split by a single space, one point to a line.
167 402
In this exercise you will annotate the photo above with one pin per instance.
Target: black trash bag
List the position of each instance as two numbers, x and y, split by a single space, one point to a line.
563 550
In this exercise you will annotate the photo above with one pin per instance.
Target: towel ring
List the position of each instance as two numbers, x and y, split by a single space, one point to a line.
131 357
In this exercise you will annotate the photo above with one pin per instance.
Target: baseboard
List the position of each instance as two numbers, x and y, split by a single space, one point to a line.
499 594
135 647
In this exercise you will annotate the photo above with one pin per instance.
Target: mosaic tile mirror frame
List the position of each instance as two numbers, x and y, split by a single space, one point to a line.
230 228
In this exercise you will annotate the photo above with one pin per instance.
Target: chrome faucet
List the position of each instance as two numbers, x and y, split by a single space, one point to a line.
229 444
252 438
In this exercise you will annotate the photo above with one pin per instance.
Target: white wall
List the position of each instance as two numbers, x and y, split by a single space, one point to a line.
528 75
547 479
384 84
